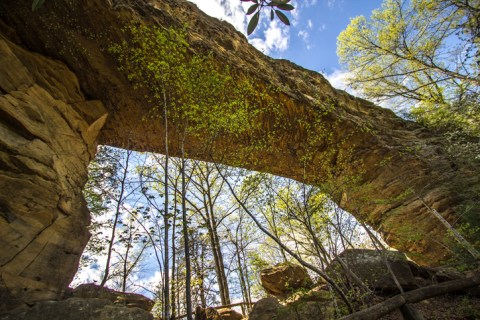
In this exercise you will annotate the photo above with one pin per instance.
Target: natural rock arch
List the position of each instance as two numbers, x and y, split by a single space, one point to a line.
52 113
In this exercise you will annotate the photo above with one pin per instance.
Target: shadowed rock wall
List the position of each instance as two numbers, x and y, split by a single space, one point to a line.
49 125
46 143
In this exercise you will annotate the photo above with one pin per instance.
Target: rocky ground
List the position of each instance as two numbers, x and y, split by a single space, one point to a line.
289 301
292 295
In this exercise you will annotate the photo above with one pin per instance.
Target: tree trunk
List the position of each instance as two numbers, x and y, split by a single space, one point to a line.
188 274
115 221
290 252
241 277
216 250
125 260
166 263
174 256
408 311
223 277
201 275
218 265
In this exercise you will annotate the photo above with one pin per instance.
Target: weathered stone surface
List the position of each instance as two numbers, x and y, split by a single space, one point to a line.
46 143
369 266
50 127
229 314
284 278
131 300
314 304
265 309
78 309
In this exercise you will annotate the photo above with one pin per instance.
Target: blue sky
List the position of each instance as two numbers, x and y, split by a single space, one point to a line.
311 39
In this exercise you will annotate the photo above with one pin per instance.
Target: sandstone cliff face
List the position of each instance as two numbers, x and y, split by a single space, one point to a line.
50 134
45 146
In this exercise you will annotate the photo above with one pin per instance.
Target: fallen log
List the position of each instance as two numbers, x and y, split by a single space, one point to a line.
389 305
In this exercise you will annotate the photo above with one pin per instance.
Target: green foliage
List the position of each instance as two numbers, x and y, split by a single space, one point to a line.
276 8
154 60
414 54
202 97
462 259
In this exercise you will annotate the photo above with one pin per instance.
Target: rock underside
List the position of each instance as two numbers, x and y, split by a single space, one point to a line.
58 82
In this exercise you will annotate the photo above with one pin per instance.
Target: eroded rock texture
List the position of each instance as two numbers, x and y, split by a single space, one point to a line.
284 278
370 267
131 300
78 309
47 142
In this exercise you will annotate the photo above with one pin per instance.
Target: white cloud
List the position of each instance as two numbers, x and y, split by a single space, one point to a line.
331 3
276 38
338 79
310 24
309 3
322 27
231 11
303 34
335 3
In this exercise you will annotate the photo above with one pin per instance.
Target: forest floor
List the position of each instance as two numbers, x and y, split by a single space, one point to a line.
447 307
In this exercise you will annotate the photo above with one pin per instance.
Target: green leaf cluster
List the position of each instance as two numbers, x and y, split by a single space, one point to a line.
416 55
276 8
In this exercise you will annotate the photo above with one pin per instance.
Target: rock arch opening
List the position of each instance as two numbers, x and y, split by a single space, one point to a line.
62 94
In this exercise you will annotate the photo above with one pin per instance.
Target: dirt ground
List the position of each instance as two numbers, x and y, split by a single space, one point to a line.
448 307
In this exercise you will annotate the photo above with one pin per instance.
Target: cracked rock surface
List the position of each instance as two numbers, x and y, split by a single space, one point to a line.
46 144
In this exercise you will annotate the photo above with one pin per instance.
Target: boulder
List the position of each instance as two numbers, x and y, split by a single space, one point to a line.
78 309
369 266
132 300
446 274
314 304
265 309
283 278
206 314
229 314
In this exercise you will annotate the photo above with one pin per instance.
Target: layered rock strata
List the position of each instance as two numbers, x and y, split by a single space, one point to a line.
48 131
